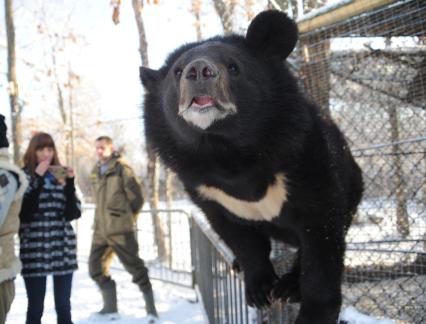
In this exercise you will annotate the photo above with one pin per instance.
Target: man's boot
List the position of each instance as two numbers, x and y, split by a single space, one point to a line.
148 296
109 296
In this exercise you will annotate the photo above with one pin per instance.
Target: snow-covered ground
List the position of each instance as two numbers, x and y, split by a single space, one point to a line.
352 316
174 304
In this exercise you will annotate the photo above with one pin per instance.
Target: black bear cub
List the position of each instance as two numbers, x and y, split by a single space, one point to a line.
259 159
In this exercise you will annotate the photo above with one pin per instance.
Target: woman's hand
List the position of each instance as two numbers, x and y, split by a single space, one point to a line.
70 172
42 167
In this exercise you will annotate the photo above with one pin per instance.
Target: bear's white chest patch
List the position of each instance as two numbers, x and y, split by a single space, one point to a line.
265 209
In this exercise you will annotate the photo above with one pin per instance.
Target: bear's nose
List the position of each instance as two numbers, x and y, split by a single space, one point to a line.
200 69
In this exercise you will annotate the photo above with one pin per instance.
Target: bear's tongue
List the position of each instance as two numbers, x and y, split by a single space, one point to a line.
203 101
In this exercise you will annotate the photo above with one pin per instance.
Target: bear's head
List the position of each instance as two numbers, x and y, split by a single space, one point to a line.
223 85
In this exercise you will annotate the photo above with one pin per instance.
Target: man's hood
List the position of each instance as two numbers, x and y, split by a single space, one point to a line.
7 165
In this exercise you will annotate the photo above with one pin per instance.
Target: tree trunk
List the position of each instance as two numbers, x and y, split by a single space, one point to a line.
15 108
61 107
249 9
169 204
71 120
402 219
169 188
143 45
159 234
225 10
153 165
288 6
196 8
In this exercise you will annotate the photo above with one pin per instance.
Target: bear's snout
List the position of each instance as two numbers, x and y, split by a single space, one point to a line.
201 70
204 94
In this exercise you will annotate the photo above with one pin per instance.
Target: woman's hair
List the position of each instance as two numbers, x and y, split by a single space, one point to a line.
37 142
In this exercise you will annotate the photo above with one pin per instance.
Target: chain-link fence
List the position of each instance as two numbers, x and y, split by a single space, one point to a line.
364 63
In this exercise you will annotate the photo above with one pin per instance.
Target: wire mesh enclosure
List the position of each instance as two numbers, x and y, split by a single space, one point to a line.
364 63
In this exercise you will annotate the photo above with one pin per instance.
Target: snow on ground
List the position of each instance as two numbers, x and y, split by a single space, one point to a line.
174 304
352 316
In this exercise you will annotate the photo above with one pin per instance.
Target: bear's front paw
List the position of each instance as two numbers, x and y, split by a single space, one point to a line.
287 288
258 288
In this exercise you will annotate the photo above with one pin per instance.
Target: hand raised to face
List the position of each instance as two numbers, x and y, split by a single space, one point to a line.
42 167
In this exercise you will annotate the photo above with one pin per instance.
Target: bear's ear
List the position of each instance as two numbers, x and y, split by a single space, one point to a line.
272 34
149 77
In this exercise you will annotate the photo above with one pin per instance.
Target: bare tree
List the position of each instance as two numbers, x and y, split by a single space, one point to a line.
248 4
402 219
296 8
196 10
58 69
15 108
225 10
153 162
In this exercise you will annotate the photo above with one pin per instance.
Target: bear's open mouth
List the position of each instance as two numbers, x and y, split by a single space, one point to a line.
203 110
202 103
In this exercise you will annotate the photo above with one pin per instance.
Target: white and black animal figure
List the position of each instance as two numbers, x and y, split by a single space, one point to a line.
259 159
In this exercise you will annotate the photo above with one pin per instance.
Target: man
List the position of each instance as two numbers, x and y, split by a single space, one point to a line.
118 200
13 184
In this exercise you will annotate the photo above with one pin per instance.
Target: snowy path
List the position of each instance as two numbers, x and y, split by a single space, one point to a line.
174 304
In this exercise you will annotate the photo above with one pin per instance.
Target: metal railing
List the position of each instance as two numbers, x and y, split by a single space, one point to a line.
220 287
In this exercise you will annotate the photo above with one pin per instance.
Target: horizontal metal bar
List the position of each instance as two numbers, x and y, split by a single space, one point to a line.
388 241
150 211
380 154
385 251
382 145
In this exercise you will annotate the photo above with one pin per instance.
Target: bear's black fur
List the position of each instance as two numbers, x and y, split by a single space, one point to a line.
259 159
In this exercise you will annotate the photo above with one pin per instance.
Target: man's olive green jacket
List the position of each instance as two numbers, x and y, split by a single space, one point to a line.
118 198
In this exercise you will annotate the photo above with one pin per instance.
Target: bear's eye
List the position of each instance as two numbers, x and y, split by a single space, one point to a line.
178 72
233 69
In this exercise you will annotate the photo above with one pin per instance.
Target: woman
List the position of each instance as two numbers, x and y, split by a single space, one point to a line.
47 239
